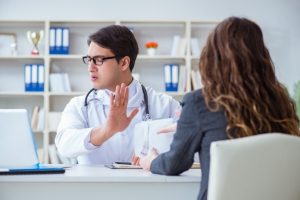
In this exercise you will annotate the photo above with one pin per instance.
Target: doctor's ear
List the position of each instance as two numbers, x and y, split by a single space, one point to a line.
125 62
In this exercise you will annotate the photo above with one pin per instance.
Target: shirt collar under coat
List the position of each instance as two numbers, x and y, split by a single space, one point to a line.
135 95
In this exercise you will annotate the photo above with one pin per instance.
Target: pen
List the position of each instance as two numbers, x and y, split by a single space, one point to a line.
123 163
4 170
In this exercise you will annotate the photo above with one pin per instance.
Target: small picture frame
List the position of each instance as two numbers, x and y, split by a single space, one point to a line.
8 44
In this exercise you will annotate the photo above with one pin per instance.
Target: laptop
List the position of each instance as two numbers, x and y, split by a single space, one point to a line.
18 153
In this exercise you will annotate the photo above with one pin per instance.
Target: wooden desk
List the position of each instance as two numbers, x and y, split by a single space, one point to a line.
98 182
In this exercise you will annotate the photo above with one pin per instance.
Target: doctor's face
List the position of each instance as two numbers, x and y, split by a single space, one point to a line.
103 67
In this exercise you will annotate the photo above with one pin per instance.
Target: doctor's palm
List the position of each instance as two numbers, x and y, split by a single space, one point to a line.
117 119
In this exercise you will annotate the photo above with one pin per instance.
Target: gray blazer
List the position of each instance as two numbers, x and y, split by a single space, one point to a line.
197 128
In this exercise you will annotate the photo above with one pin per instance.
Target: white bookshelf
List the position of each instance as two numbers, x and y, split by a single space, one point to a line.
150 68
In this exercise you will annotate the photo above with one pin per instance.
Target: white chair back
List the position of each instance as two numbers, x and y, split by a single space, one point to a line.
261 167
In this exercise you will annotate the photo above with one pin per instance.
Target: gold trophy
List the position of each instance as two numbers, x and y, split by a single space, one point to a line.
34 38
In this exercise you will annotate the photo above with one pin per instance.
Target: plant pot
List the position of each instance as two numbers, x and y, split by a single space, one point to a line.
151 51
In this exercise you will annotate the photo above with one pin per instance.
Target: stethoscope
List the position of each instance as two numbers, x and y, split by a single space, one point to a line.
146 117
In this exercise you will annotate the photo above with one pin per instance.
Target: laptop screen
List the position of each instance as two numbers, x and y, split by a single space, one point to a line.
17 146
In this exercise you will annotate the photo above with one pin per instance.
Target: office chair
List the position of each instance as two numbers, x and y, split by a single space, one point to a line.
261 167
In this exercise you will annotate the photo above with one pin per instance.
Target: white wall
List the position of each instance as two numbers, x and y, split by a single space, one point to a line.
279 19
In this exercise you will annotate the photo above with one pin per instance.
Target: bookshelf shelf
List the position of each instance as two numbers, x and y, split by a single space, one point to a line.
160 57
66 93
176 93
149 68
74 56
195 58
20 94
20 57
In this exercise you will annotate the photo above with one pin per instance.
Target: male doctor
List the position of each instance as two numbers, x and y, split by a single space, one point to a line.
98 128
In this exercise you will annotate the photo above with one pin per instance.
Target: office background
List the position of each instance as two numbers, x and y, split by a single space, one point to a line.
279 19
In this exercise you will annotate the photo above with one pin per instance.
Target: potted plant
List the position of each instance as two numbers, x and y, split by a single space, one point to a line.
151 48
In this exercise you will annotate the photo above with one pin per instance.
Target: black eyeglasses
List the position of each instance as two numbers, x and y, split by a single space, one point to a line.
97 60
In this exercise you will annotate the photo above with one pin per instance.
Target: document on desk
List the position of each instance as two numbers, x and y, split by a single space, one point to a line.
146 136
123 165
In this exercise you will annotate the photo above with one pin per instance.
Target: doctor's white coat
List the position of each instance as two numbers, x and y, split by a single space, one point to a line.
73 134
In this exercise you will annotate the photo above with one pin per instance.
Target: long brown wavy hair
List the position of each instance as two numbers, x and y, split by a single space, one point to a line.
238 76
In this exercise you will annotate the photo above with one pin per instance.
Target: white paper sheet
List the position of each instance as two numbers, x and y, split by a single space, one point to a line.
146 136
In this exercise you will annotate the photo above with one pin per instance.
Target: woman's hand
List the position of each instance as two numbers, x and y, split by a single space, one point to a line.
146 161
171 128
168 129
135 160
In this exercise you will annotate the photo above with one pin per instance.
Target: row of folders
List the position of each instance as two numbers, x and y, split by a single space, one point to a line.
173 73
176 78
34 77
59 40
59 43
34 80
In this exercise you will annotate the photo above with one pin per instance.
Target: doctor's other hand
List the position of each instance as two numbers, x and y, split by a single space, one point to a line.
146 161
117 119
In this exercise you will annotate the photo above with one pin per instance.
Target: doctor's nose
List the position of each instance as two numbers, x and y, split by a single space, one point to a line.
92 67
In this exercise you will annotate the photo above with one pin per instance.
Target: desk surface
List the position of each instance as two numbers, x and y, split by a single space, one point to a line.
83 182
102 174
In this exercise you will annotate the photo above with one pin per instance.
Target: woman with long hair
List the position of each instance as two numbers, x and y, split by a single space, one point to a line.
241 97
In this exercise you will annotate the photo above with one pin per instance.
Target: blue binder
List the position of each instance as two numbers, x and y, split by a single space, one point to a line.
65 41
34 77
52 40
174 77
41 78
58 40
27 77
167 75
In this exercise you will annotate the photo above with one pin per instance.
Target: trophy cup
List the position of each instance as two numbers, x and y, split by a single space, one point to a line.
34 38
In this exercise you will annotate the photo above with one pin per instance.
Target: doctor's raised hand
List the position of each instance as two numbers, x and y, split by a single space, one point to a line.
117 119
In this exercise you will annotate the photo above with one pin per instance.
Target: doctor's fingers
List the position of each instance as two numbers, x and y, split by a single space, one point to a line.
123 94
133 113
116 96
125 97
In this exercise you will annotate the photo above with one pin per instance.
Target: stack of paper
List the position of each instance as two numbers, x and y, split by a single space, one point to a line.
59 82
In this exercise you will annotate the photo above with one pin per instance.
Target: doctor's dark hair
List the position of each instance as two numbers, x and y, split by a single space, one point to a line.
119 39
238 75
